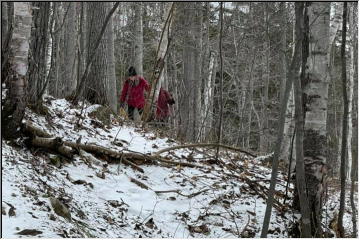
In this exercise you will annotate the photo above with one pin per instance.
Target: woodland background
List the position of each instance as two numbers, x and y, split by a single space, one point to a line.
232 68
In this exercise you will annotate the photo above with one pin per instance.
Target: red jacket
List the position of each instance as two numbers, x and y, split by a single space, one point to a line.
164 99
134 95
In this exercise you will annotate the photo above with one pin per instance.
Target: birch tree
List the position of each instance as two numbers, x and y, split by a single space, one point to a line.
16 69
350 90
139 46
315 91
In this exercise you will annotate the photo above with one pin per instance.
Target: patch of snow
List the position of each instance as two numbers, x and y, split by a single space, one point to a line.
105 202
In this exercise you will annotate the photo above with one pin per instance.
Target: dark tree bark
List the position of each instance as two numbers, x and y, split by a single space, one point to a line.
38 44
292 75
91 56
219 134
299 125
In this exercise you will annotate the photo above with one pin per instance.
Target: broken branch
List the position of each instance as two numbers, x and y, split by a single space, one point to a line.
204 145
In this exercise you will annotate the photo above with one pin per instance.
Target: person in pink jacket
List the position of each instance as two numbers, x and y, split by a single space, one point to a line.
162 108
133 92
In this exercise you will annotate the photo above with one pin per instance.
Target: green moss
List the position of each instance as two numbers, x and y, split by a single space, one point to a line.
55 160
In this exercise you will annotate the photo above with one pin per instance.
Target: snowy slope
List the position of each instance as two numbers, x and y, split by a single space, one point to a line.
212 201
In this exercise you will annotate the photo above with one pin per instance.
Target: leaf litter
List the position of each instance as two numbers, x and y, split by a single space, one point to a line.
223 199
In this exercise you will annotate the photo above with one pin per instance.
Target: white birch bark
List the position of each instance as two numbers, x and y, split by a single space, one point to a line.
111 77
163 44
315 96
335 27
15 103
206 113
20 38
350 91
139 40
316 85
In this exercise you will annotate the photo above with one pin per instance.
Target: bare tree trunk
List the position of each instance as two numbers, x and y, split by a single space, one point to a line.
300 148
354 113
111 66
333 125
15 102
289 115
315 80
350 90
208 60
69 51
97 88
38 42
82 43
207 105
92 94
157 74
55 38
4 22
293 75
219 135
7 26
198 70
139 41
189 109
345 126
264 131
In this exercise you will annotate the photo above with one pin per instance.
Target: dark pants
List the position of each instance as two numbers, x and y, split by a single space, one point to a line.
131 112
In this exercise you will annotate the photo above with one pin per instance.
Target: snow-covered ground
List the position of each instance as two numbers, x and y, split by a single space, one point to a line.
214 201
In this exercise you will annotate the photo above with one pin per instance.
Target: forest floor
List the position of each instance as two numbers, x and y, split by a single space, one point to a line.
220 199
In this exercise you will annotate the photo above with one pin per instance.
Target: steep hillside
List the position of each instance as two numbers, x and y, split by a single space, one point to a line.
94 195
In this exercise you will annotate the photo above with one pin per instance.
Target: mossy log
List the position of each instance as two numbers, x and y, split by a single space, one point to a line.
31 129
54 144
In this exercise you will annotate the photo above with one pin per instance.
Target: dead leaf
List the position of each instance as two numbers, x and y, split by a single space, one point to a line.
12 211
100 175
32 232
199 229
150 224
80 182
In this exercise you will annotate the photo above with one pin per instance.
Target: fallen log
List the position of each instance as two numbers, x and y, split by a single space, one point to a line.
111 153
54 144
204 145
30 128
126 157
